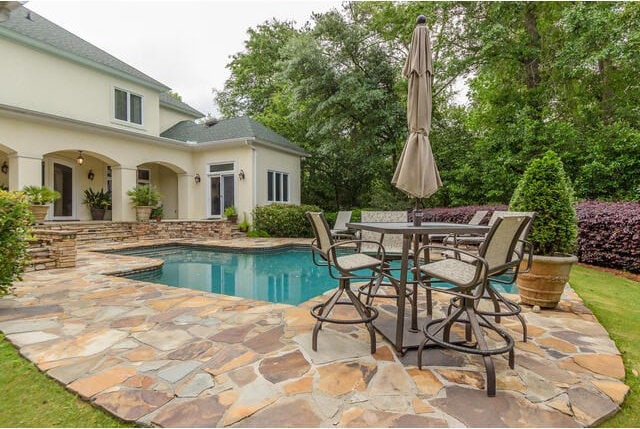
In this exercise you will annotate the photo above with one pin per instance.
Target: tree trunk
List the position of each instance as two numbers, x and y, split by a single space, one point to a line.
531 62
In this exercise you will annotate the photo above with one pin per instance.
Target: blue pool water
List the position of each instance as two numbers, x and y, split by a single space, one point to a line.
285 275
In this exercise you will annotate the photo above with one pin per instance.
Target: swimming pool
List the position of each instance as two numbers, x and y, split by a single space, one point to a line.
283 275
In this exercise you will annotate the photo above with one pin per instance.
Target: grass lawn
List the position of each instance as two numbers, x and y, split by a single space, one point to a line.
28 398
616 303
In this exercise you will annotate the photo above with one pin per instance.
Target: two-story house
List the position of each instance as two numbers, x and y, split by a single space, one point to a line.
74 117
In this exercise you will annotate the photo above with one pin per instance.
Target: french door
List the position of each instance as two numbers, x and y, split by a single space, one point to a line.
221 193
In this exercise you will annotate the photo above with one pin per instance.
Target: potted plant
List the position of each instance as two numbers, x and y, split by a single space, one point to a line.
157 213
144 198
546 189
40 197
231 214
97 201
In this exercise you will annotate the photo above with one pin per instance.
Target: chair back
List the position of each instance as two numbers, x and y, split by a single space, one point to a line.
477 217
322 232
391 242
499 245
342 218
525 231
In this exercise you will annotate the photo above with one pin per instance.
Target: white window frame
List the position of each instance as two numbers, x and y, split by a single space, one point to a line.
221 173
274 182
127 121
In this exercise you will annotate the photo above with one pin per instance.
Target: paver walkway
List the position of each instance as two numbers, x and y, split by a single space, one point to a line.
165 356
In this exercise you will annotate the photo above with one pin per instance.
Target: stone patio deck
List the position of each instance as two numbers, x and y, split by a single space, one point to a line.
165 356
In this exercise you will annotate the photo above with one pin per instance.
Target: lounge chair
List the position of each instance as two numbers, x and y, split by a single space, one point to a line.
469 275
340 230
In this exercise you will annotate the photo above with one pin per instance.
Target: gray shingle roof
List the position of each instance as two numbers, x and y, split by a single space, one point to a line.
229 129
41 32
172 102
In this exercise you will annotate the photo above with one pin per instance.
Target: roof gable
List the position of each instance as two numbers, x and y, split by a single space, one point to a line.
28 27
166 100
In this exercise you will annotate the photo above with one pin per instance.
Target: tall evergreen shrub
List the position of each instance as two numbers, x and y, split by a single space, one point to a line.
283 220
546 189
15 221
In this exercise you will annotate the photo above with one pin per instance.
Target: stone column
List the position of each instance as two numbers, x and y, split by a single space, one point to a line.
123 179
185 194
24 170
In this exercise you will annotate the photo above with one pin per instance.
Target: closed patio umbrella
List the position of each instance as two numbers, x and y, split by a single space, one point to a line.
416 173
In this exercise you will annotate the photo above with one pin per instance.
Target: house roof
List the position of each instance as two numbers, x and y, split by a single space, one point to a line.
28 27
229 129
167 100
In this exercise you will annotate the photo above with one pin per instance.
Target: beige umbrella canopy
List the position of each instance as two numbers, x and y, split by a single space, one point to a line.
417 173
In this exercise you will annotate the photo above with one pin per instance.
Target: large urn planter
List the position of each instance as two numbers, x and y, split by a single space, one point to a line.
97 214
143 213
40 212
544 283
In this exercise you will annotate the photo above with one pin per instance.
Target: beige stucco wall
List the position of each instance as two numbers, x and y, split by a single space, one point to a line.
43 82
239 153
170 117
271 160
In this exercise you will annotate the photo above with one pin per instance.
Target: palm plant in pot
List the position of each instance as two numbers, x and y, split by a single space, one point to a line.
546 189
40 198
97 201
144 198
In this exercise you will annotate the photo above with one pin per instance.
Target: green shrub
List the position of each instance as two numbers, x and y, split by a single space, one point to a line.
546 189
144 195
283 220
15 221
257 234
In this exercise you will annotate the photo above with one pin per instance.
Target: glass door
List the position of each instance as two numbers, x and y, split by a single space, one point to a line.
222 193
63 207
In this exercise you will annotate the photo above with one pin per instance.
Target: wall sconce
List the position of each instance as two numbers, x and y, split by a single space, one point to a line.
241 175
5 167
196 178
91 175
80 159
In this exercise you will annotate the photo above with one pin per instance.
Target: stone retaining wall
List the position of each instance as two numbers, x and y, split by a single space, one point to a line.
53 249
56 242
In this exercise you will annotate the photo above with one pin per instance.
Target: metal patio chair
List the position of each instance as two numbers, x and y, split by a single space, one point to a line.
469 275
345 263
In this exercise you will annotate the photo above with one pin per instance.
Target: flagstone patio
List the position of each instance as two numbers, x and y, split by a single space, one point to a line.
164 356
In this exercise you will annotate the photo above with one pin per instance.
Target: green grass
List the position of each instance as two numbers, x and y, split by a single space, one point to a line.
616 303
28 398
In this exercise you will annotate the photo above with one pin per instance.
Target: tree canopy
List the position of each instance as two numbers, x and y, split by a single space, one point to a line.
539 76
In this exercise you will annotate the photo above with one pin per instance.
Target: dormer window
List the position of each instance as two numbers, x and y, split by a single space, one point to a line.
128 106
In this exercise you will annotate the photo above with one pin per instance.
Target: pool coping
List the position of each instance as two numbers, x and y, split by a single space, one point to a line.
143 352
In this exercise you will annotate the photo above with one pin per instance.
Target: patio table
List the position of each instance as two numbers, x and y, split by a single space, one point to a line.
400 337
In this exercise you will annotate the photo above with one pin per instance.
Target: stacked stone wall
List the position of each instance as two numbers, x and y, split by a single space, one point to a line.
53 249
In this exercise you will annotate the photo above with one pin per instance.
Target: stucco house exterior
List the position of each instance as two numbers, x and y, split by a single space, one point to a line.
73 117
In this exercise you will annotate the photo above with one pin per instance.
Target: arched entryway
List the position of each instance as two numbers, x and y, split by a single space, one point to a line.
165 177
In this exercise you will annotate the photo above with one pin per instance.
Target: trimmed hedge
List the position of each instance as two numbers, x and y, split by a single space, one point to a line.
608 233
283 220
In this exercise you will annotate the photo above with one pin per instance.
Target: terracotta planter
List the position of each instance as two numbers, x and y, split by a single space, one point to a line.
40 212
544 284
143 213
232 218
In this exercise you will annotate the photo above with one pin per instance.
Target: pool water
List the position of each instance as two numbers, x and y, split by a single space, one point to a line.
284 275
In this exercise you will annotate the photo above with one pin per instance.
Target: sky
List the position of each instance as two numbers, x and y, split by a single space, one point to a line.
184 44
